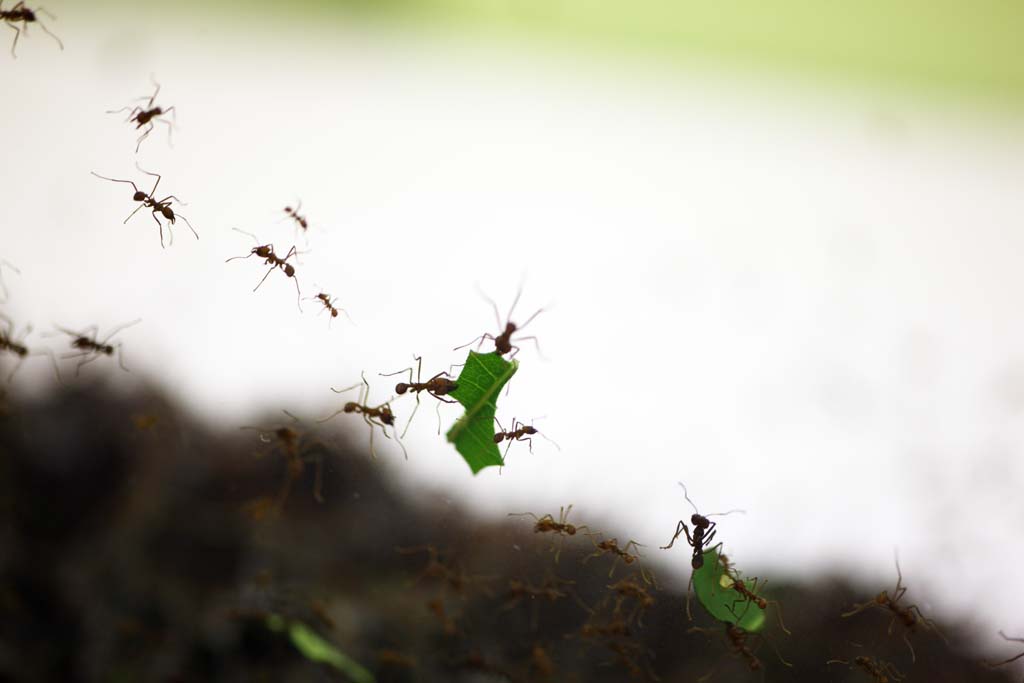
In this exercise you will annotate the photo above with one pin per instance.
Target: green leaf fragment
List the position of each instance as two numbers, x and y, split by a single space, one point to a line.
481 380
713 586
316 649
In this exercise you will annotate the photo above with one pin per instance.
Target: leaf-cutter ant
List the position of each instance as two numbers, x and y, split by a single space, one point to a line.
290 441
374 416
520 432
1014 658
266 252
89 348
162 206
26 16
300 221
328 305
438 386
882 672
703 531
144 116
547 523
503 342
611 546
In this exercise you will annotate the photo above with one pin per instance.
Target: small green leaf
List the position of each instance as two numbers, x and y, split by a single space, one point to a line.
316 649
480 382
713 587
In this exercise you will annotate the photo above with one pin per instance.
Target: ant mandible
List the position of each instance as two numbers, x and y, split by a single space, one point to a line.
143 116
162 206
26 16
503 342
328 305
266 252
906 615
374 416
703 531
438 386
89 348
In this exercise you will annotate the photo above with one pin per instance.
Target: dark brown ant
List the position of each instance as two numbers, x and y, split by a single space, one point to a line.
749 595
882 672
503 342
435 569
547 523
163 206
89 348
906 615
611 546
328 305
26 16
631 589
266 252
438 386
1014 658
520 432
3 286
290 441
145 116
374 416
294 215
703 531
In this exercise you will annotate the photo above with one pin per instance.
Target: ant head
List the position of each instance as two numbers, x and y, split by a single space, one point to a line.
289 270
323 296
882 598
156 111
28 14
168 214
386 416
699 520
401 388
139 196
762 603
498 437
108 349
263 251
350 407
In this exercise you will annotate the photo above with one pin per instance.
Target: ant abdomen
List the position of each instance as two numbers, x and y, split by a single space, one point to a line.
289 270
167 213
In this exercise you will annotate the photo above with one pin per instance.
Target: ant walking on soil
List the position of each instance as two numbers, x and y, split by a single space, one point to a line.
438 386
144 116
374 416
503 342
703 531
26 16
882 672
266 252
90 348
163 206
328 305
910 615
547 523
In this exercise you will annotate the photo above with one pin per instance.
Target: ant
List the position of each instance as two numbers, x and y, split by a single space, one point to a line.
519 432
266 251
904 614
143 116
15 346
628 588
289 440
328 305
1007 638
374 416
3 287
503 342
611 545
163 206
882 672
89 348
703 531
294 215
438 386
547 523
26 16
748 595
737 637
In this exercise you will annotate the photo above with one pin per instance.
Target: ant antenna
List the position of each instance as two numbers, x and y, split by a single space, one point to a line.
713 514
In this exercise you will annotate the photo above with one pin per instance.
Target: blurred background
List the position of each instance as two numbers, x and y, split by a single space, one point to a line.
776 247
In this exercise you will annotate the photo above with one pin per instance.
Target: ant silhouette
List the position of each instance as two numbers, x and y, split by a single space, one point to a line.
1014 658
611 546
290 441
8 342
547 523
144 116
300 221
26 16
882 672
163 206
519 432
266 251
703 531
503 342
3 286
374 416
906 615
438 386
90 348
328 305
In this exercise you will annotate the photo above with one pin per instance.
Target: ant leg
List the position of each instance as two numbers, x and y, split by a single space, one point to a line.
155 175
437 409
271 270
536 344
170 129
412 415
138 142
84 361
178 215
14 46
171 196
117 329
135 212
120 358
481 339
906 639
298 292
858 608
681 528
46 30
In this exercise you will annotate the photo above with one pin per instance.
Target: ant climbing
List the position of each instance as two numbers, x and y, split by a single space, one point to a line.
89 348
26 16
266 252
611 545
162 206
703 531
143 116
882 672
748 595
374 416
3 286
438 386
547 524
328 305
906 615
290 442
1007 638
503 342
519 432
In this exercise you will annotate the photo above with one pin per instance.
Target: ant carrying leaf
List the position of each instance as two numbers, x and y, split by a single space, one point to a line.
503 342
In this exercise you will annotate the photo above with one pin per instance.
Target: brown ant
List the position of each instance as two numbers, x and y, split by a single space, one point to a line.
328 305
26 16
89 348
1014 658
294 215
519 432
882 672
630 589
3 286
437 570
438 386
374 416
290 442
503 342
906 615
749 595
611 545
8 342
266 252
145 116
163 206
703 531
547 523
737 638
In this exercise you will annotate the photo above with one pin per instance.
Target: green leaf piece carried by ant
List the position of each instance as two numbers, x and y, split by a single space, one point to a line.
713 585
480 382
316 649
